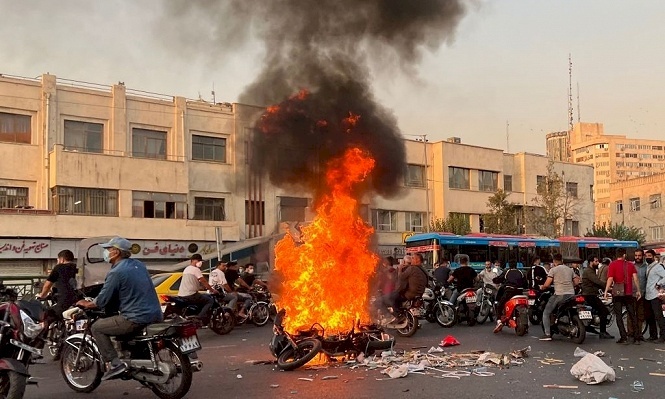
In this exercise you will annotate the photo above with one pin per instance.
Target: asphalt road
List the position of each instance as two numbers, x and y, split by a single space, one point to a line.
227 357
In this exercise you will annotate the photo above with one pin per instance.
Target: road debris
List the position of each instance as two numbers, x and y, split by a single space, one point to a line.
560 386
329 377
592 370
657 374
274 386
239 376
637 386
646 359
449 341
306 379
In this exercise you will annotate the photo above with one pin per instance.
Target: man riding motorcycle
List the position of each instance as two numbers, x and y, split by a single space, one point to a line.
127 289
465 276
564 279
512 283
411 284
591 283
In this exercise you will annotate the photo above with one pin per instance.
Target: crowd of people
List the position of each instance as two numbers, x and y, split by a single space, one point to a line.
638 287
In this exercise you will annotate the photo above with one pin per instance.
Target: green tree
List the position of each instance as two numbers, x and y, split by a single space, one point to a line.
552 206
502 215
618 232
456 223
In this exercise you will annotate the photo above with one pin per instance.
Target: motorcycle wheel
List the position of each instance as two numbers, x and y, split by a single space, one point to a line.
581 330
484 313
522 323
624 315
179 382
470 317
445 316
273 311
12 384
222 321
411 326
291 359
535 317
86 375
260 314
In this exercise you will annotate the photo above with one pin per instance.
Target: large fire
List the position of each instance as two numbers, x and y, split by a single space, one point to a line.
325 278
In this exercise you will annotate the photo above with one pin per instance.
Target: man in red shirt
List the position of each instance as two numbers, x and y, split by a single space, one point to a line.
623 271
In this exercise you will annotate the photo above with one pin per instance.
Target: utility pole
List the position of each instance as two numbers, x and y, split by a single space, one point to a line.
578 103
570 106
507 137
424 137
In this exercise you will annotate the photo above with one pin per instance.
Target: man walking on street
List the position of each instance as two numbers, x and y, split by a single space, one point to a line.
655 278
564 280
642 306
623 272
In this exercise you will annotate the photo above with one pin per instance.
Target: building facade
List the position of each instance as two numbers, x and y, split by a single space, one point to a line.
558 146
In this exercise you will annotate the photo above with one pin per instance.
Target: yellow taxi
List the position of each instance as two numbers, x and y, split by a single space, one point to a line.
168 283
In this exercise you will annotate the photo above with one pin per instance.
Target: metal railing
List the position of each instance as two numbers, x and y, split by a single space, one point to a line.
24 285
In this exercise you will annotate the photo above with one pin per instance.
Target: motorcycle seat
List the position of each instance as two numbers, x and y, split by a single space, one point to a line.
520 297
156 328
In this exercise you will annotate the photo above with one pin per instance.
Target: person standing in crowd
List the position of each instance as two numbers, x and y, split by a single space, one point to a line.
655 278
602 269
642 305
623 272
442 273
497 266
386 280
564 280
537 274
590 286
487 275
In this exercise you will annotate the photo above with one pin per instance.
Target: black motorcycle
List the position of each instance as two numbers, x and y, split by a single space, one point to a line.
537 301
220 318
466 308
568 319
295 350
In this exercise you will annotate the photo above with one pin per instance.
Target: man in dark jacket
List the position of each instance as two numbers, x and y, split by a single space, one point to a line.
512 283
411 283
591 283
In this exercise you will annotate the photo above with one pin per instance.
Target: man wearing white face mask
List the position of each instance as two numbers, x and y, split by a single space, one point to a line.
192 279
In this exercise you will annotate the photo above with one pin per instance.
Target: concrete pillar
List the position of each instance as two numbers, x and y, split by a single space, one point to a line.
47 139
118 141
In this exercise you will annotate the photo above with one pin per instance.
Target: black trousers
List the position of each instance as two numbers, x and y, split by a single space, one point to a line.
629 302
597 304
656 308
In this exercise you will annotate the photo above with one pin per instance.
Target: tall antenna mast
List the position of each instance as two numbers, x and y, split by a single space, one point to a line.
570 93
213 93
578 103
507 137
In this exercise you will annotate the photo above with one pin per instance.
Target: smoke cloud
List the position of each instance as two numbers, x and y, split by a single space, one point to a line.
324 48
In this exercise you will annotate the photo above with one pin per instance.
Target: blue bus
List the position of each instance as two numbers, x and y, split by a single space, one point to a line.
480 247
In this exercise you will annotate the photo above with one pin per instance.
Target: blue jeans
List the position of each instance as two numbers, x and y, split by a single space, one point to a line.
549 308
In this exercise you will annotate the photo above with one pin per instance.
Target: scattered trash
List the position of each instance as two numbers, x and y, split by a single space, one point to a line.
579 352
599 353
306 379
521 353
239 376
552 362
329 377
657 374
449 341
435 349
560 386
419 347
398 371
592 370
638 386
660 350
274 386
646 359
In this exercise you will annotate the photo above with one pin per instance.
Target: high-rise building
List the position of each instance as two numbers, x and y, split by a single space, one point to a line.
614 158
558 146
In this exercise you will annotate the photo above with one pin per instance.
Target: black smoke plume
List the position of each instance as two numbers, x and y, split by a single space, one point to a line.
324 48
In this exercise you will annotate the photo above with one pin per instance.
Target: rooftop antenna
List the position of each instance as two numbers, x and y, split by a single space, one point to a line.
507 137
570 105
578 103
213 93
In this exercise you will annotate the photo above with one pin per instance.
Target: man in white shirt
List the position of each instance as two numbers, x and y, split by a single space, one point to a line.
192 279
218 279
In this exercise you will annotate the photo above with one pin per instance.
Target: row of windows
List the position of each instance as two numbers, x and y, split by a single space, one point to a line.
387 220
542 185
655 202
460 178
639 147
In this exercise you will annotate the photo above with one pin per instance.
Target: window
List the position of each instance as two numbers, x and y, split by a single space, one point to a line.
655 201
541 184
618 205
84 136
635 204
85 201
12 197
591 192
507 183
255 213
415 176
158 205
488 181
148 143
656 233
571 189
15 128
209 208
414 221
576 228
458 178
206 148
383 220
293 209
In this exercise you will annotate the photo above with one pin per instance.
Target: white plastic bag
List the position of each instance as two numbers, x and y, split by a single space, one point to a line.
592 370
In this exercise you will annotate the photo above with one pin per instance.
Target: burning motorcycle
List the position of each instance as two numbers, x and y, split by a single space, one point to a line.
22 332
220 318
568 319
295 350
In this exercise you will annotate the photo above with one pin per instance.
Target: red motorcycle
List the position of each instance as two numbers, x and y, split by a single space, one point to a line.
22 332
515 314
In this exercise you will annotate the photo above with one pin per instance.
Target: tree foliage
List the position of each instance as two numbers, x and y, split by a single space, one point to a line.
552 206
456 223
502 215
618 232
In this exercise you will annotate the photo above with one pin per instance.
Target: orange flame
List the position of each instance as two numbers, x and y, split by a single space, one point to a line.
325 279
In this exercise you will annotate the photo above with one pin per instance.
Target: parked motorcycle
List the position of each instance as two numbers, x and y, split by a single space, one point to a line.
515 314
220 318
568 319
156 357
466 308
22 333
295 350
593 325
537 301
259 312
485 302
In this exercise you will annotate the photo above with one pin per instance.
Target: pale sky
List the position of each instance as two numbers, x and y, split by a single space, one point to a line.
507 62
